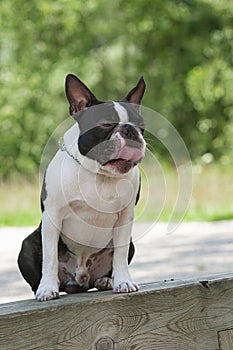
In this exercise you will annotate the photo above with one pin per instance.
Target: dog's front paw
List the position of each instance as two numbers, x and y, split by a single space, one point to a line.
47 290
125 287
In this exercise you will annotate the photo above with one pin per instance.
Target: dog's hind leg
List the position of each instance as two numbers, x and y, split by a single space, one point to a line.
30 263
30 259
104 283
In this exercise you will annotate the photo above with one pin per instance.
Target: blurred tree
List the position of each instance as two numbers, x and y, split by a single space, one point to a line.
183 48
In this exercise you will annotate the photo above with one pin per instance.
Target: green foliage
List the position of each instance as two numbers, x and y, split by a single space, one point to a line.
184 48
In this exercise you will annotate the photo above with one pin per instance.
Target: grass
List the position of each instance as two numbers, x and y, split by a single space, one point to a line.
19 204
211 198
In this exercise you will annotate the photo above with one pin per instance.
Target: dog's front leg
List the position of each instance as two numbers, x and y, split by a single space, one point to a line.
123 282
49 285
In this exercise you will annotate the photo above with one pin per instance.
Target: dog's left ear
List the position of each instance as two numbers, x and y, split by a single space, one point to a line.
136 94
78 94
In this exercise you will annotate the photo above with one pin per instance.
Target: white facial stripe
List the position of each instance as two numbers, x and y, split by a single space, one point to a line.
122 112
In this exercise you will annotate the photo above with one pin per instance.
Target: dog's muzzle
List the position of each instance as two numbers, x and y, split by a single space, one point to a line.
130 150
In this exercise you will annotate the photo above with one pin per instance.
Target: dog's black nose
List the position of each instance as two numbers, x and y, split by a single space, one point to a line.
129 132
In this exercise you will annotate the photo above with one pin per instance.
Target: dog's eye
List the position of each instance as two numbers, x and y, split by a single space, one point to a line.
108 125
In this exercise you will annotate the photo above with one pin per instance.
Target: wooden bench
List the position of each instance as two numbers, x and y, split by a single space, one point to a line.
181 315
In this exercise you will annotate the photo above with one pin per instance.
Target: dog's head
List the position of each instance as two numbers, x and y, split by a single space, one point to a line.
111 133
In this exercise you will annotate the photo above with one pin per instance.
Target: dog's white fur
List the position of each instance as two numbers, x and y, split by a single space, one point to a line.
88 216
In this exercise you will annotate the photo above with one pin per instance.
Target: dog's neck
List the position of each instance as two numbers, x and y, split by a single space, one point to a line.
71 147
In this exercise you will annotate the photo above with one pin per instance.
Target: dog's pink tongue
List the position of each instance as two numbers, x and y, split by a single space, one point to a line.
130 153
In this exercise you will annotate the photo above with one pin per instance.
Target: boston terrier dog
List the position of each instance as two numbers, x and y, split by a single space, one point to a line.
88 198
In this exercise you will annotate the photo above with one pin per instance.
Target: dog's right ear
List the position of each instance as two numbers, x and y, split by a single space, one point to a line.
78 94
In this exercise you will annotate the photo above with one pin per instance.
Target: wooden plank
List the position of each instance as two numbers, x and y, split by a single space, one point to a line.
170 315
226 339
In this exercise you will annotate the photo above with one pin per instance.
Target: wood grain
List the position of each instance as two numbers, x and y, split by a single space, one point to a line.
162 316
226 339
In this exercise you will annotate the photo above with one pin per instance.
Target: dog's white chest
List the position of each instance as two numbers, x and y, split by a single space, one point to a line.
85 226
93 208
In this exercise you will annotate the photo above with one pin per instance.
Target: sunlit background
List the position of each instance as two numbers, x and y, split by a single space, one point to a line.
184 50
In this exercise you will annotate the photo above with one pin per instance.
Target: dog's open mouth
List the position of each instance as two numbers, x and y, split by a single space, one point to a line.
126 159
120 165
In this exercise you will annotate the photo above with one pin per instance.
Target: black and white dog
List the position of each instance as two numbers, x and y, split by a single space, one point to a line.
88 198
